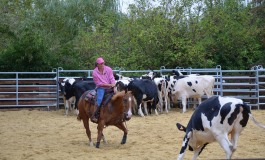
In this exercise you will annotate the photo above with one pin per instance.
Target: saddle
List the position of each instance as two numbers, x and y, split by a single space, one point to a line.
91 96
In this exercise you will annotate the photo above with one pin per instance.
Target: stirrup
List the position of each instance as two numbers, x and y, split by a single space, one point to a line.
94 119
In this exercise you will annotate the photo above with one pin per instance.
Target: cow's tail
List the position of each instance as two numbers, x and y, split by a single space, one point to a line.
256 122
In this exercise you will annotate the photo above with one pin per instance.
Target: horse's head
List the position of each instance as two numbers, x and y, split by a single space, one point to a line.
122 102
128 103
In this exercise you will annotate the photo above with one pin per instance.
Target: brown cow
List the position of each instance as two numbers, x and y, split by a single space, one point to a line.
115 112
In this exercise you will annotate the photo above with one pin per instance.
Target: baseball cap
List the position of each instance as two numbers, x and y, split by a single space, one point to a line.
100 60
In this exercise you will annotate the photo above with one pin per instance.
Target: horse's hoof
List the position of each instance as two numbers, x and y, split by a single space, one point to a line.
124 139
91 144
97 145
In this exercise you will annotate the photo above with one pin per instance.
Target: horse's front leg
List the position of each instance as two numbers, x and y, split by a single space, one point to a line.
88 132
100 134
125 132
102 137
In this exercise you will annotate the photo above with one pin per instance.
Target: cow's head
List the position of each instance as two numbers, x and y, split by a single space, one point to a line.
62 85
177 73
65 86
151 75
117 76
120 86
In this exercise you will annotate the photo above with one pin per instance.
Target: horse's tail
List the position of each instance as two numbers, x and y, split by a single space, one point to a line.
78 106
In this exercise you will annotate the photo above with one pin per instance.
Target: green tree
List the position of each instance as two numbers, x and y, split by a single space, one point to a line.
228 36
185 33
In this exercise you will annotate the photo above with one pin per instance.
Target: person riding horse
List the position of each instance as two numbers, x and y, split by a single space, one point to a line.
105 81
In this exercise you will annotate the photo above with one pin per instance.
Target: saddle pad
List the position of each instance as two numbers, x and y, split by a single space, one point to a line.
90 96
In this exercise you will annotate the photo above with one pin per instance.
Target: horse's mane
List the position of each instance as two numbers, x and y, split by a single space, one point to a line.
118 95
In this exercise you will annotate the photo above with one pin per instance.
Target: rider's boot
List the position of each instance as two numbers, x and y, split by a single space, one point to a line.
95 115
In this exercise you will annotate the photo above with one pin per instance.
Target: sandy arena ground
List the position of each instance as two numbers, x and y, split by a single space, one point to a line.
49 135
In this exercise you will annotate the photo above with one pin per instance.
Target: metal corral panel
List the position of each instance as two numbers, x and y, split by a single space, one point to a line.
34 89
28 89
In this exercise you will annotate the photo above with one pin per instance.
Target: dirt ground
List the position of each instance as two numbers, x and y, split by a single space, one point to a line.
49 135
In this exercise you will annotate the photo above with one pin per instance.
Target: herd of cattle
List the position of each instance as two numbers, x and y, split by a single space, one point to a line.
213 120
153 90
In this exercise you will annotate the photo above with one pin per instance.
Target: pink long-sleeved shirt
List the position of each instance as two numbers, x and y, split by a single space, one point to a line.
106 77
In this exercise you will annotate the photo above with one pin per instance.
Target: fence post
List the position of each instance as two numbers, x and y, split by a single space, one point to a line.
57 87
17 88
221 79
190 69
58 80
257 86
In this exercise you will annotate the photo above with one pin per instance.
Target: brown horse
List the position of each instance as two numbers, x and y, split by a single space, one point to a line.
115 112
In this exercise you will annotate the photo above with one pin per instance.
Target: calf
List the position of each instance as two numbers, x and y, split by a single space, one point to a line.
144 90
213 120
69 100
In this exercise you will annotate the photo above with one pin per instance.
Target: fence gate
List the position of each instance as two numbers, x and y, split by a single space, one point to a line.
17 90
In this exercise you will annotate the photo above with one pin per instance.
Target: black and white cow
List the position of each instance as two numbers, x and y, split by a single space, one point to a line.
171 81
161 84
69 101
257 67
213 120
144 90
192 86
77 89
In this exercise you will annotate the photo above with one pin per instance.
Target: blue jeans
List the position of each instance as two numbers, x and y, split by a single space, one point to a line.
100 95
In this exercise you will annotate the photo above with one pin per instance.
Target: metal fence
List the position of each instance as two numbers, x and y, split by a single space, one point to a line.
28 89
41 89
